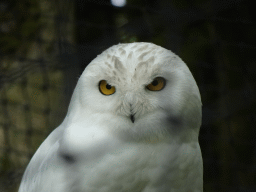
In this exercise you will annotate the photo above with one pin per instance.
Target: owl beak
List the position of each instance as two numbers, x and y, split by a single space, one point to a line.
132 118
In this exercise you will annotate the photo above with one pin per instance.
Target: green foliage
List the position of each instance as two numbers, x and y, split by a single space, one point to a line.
19 22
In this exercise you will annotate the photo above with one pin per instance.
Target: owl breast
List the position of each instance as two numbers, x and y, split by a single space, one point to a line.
143 167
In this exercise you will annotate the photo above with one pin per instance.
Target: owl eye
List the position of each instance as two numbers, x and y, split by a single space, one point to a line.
157 84
105 88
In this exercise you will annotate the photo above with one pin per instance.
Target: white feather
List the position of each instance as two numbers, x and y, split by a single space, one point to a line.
99 148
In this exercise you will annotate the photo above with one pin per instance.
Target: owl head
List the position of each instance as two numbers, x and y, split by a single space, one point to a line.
141 92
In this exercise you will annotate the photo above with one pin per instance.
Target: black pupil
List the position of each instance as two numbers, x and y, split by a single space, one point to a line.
108 86
155 83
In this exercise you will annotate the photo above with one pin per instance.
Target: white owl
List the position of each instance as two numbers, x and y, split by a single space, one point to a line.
132 126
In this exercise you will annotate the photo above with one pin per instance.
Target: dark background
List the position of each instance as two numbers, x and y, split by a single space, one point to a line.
45 46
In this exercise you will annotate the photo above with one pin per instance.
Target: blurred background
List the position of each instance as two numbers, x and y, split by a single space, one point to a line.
46 44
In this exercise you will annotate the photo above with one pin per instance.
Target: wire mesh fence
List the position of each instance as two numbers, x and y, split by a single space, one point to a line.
215 39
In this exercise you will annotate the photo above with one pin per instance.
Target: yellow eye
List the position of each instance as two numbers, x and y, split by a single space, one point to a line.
156 85
105 88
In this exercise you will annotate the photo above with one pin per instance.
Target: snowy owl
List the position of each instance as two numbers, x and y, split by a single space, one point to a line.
132 126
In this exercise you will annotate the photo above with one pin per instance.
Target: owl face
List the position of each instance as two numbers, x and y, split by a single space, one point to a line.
142 91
